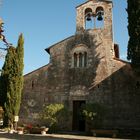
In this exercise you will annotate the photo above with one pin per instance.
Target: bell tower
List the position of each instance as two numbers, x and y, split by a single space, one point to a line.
95 18
97 13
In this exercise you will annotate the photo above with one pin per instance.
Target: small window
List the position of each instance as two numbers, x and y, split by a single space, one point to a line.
75 60
138 84
116 50
85 59
80 59
79 56
33 83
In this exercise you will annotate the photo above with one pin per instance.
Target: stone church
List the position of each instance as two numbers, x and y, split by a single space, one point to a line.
86 68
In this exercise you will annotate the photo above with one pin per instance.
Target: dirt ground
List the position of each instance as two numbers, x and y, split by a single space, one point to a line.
7 136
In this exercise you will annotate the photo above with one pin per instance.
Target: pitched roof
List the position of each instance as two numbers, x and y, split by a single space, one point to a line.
48 49
37 70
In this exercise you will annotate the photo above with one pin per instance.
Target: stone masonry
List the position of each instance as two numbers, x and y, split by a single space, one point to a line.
104 79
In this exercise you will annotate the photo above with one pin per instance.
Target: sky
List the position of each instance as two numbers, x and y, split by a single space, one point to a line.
46 22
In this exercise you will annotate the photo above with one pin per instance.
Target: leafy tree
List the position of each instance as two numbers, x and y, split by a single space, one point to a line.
11 82
133 52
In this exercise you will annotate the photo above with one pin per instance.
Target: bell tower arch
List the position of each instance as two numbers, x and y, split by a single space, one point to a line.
97 12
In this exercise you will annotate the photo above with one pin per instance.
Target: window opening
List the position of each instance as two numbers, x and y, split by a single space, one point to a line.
80 59
90 23
94 20
99 17
32 84
89 19
85 59
116 50
79 56
75 60
138 84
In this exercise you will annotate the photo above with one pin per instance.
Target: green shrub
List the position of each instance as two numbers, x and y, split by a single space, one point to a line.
55 115
94 114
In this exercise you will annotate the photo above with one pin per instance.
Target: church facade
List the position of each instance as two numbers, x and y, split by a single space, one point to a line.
85 68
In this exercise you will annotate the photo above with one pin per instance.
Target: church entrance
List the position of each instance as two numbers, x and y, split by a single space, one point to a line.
78 119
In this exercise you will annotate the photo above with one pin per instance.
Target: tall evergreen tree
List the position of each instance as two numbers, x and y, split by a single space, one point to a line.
133 52
6 86
19 73
11 82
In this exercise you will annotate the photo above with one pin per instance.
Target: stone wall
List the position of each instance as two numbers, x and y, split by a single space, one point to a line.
105 80
34 95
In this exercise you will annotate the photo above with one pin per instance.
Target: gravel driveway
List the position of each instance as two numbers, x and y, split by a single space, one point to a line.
7 136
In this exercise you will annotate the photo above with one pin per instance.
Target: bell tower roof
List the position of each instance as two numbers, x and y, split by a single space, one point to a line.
109 1
101 0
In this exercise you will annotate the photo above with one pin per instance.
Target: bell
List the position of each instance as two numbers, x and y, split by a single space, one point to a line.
88 17
100 18
1 31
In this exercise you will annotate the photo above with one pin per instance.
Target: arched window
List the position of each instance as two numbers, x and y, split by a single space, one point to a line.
85 59
80 59
75 60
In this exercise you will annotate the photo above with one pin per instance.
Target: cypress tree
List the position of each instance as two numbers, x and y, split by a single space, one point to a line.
11 82
7 88
133 52
19 73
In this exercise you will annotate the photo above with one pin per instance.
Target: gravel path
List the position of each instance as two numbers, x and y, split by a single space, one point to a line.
7 136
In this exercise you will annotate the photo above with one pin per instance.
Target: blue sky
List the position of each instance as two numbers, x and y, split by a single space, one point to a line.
46 22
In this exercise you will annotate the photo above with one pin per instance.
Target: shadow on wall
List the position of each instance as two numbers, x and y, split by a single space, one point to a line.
120 94
83 76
